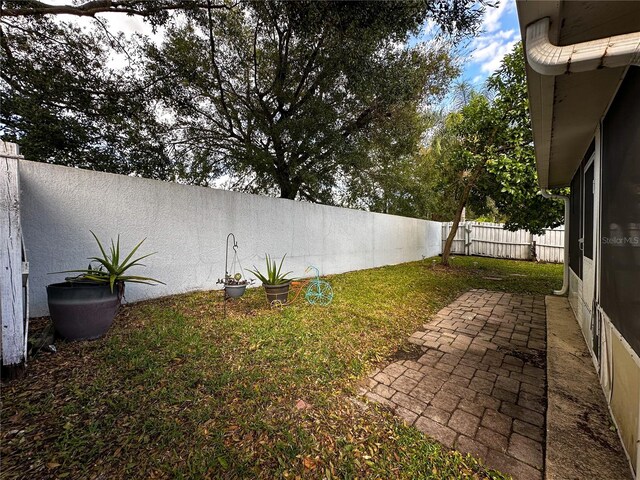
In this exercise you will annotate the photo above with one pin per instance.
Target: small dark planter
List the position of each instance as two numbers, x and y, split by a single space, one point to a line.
235 291
277 292
82 310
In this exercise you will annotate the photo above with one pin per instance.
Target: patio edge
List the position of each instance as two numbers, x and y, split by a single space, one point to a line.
580 440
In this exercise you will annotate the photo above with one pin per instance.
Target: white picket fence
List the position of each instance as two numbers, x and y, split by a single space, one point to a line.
492 240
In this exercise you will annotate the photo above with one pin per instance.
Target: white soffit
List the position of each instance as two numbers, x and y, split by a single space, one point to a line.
566 109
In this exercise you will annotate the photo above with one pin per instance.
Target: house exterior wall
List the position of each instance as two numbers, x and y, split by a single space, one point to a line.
188 226
610 323
580 309
624 390
619 370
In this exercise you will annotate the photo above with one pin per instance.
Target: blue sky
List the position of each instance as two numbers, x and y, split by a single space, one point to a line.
481 56
500 32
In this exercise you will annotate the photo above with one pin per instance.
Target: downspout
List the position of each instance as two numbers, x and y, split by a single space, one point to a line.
610 52
548 59
565 274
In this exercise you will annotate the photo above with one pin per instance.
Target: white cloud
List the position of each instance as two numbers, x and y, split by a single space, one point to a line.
484 51
429 29
492 17
130 24
506 33
499 52
488 49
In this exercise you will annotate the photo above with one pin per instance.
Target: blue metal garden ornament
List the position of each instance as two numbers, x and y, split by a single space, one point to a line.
316 291
319 292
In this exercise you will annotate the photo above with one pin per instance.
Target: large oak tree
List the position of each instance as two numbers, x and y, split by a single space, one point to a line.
288 98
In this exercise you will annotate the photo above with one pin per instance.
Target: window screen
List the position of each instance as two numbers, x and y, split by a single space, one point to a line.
575 224
620 239
587 231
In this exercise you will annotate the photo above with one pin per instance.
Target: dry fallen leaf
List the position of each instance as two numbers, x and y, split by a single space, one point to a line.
309 463
302 405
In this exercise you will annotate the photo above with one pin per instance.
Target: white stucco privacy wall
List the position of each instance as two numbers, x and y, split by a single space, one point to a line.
188 226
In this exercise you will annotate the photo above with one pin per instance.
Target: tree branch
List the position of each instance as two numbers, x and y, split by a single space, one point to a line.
216 69
308 67
5 46
90 8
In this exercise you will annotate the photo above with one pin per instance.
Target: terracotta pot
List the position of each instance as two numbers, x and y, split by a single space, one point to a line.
82 310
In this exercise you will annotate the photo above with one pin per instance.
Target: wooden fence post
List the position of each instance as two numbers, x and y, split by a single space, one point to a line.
11 286
468 238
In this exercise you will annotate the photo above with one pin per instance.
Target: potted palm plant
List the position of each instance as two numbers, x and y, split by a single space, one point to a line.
276 284
83 306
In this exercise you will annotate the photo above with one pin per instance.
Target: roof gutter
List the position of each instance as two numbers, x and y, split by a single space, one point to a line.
548 59
567 227
551 60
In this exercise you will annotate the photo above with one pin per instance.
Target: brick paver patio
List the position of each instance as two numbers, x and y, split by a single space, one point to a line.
479 385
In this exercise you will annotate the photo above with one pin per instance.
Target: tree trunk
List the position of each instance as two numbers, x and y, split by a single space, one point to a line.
463 203
287 190
289 187
456 221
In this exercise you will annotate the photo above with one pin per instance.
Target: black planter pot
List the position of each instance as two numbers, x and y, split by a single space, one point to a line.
82 310
277 292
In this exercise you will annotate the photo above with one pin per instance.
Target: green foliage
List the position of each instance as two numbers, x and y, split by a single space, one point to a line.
291 98
512 181
273 275
483 156
62 102
390 180
294 99
114 268
458 153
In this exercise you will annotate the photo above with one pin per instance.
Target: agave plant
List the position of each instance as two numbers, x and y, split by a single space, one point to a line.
111 269
273 275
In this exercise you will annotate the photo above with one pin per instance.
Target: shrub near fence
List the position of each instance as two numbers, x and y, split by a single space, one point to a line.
492 240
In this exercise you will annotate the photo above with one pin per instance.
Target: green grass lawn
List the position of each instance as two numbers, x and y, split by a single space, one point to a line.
177 391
